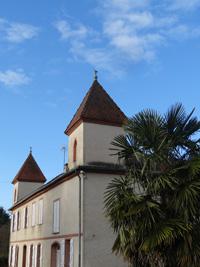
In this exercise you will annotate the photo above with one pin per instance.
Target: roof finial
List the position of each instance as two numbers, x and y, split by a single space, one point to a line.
30 149
95 75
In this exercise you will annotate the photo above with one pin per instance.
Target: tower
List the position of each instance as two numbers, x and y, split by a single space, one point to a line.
28 179
97 121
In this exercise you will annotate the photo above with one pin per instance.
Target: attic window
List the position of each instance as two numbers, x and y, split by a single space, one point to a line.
15 195
75 150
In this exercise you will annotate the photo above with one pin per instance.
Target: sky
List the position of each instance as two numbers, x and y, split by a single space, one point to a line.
147 54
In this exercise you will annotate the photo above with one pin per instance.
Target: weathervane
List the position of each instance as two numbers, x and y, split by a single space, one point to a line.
63 147
31 149
95 75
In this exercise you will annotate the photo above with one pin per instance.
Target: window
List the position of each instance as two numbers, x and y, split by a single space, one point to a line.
75 150
55 255
13 222
56 216
38 255
24 257
26 217
40 221
16 256
15 195
33 214
67 253
18 220
13 256
31 256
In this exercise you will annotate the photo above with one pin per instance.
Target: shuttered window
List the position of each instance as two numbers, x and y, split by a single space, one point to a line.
16 256
15 221
38 255
67 253
11 224
26 217
40 221
19 220
33 214
71 260
56 216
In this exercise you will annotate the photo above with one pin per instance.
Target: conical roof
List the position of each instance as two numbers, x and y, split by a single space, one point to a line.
30 172
97 107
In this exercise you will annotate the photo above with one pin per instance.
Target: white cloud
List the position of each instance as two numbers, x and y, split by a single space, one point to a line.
67 32
13 78
129 32
124 5
183 32
17 32
184 4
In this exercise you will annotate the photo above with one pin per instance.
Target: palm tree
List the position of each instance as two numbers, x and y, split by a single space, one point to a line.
154 210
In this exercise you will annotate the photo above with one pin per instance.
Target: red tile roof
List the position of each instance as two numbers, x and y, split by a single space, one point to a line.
97 107
30 172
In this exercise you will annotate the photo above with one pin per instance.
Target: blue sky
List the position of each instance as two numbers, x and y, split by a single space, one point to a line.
147 54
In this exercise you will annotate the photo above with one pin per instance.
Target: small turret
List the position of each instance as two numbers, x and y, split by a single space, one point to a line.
28 179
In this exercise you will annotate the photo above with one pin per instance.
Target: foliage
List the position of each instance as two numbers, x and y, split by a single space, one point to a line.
4 237
154 208
4 216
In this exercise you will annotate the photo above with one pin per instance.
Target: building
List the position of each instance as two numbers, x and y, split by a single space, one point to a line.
62 222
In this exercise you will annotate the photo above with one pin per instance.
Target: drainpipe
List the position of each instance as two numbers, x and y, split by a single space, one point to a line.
79 219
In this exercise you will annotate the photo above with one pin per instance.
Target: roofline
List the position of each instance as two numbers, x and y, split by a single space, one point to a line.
107 169
81 120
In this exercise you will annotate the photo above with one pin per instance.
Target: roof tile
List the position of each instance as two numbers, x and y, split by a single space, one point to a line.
98 107
30 172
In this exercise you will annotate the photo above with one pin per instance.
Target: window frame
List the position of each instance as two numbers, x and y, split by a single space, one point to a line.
56 216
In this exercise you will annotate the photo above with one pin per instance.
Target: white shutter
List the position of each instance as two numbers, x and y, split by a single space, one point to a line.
40 211
28 261
33 214
13 257
33 255
19 220
9 259
11 225
16 256
24 218
41 250
35 263
56 217
71 262
27 217
15 221
58 258
63 253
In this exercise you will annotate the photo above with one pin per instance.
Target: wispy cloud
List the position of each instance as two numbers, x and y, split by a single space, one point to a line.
184 4
67 32
14 78
17 32
131 32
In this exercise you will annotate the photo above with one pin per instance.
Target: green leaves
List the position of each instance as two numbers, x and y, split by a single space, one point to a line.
154 210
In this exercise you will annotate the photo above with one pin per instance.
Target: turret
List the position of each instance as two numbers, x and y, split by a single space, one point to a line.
28 179
95 124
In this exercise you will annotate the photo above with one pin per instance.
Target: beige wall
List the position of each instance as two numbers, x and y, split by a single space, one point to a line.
98 236
67 193
97 139
93 143
78 135
24 188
